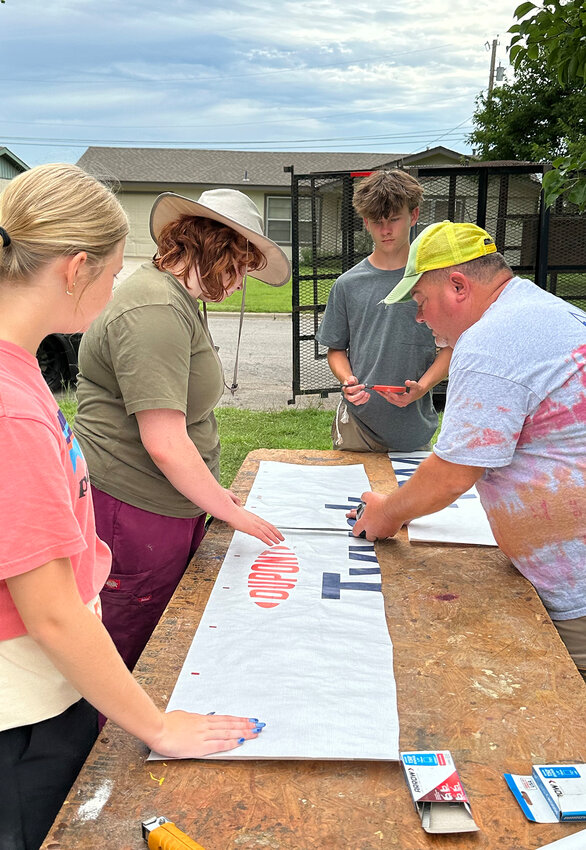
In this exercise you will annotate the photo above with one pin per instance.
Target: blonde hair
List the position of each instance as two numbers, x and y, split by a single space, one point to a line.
53 211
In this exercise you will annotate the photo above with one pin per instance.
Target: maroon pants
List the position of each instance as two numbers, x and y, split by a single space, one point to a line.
150 553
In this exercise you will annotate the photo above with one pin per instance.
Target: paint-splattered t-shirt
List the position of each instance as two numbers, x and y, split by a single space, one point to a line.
517 405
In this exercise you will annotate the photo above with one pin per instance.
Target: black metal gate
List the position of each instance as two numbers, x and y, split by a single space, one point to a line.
328 238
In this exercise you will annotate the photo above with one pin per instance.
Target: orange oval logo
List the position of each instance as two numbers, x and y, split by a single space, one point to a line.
272 576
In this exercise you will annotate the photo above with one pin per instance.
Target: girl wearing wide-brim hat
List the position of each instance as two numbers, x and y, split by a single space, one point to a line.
150 378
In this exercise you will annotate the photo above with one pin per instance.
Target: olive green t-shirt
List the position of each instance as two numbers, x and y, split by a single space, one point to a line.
150 349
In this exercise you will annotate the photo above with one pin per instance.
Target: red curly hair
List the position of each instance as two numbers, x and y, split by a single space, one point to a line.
215 249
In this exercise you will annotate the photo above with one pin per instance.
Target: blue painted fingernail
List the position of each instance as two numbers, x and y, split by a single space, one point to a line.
211 712
260 725
253 719
241 740
257 730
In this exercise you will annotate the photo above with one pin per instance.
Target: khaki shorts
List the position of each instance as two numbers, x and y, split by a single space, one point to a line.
573 634
348 435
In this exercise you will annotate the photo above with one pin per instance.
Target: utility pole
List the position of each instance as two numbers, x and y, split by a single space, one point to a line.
492 61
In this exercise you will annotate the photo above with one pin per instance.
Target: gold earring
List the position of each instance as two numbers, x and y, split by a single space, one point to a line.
67 292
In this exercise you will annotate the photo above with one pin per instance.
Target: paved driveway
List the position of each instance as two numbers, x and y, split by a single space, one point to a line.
265 370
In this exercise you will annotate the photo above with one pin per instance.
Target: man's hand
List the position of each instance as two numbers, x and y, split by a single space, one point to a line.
355 392
377 520
434 485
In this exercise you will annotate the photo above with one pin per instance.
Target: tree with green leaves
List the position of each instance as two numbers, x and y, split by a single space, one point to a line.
555 34
534 118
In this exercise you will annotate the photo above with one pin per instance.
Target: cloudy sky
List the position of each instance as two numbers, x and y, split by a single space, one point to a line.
337 75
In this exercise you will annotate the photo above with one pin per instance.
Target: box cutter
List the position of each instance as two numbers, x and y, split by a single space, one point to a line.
359 512
161 834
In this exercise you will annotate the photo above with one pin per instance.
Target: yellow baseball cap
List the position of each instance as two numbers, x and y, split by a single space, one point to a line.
438 246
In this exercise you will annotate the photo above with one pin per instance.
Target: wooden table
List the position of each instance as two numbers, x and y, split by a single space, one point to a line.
480 671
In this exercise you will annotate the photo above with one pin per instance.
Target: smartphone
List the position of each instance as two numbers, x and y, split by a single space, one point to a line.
388 389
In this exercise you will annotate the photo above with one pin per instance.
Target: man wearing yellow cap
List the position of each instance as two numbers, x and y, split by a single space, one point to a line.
515 417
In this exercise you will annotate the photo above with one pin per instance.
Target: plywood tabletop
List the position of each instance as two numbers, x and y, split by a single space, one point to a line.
480 670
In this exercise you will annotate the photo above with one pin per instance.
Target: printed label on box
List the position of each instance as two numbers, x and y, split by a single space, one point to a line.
564 788
554 792
437 792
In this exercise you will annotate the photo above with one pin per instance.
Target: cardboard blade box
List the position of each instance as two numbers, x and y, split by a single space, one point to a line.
437 792
564 788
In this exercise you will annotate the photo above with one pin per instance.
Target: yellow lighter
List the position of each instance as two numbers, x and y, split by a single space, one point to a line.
162 834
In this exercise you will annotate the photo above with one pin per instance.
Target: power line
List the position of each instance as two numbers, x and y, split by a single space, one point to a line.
151 143
449 133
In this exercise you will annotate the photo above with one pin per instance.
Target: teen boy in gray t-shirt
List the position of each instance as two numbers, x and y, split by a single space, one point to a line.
369 343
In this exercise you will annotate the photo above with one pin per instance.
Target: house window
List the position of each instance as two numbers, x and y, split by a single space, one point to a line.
278 214
279 219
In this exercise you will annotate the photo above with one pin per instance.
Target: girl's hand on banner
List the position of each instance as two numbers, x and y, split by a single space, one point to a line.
256 526
185 735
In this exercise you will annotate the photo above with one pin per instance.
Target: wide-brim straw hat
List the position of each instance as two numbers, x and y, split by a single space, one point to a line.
234 209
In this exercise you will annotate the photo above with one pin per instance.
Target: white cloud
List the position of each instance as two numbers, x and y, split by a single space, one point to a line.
244 72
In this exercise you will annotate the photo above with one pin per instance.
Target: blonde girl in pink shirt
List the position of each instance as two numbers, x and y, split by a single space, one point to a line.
62 238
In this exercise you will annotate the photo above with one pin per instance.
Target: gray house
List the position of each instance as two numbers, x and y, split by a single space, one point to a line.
10 166
143 173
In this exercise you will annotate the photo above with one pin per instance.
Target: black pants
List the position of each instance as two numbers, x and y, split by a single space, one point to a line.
38 766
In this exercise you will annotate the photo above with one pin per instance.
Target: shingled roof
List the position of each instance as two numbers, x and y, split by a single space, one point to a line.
220 167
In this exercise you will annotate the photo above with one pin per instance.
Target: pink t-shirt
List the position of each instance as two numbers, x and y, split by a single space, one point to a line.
46 509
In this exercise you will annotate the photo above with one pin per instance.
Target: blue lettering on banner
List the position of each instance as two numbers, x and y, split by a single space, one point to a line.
332 585
355 499
355 556
403 475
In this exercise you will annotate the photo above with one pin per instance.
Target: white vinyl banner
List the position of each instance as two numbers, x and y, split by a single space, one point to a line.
464 521
296 634
310 497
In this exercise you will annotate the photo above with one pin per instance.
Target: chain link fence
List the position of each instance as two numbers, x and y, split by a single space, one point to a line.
546 245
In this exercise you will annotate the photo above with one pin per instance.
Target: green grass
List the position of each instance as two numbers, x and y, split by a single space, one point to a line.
68 404
260 298
242 431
